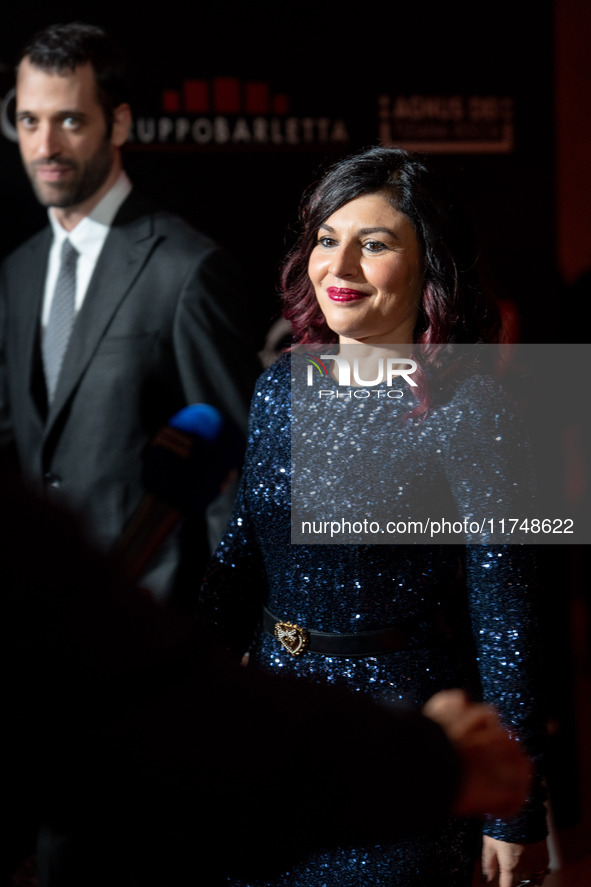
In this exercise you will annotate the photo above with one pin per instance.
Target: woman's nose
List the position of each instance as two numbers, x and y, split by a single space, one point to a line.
344 262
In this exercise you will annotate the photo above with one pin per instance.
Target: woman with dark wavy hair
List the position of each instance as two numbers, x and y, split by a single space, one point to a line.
454 306
383 262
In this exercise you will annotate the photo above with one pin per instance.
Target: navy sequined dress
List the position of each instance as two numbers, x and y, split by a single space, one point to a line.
484 591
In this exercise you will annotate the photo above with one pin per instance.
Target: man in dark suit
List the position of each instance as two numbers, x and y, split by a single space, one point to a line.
154 317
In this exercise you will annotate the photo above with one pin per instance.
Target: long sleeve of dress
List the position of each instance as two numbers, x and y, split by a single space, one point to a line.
501 590
490 473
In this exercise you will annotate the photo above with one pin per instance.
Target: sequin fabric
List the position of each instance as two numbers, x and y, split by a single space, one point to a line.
484 592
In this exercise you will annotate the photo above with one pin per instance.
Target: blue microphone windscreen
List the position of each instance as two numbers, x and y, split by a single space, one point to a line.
200 419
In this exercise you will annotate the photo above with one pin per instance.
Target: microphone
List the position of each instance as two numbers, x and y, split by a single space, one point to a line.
187 464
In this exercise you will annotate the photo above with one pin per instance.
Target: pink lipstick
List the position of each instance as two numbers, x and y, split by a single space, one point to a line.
340 294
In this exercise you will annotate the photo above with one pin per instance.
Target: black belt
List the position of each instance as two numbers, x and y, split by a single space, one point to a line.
297 639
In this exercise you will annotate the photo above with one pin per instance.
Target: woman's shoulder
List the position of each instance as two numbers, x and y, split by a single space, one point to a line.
278 373
472 392
481 410
274 383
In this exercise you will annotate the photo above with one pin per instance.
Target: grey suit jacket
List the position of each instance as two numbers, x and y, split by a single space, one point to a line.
164 323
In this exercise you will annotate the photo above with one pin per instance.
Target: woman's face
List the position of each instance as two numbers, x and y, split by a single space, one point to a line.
366 271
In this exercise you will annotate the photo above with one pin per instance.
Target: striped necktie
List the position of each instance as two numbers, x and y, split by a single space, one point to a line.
61 318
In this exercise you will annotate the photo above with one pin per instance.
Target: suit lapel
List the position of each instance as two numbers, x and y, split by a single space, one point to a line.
29 308
126 250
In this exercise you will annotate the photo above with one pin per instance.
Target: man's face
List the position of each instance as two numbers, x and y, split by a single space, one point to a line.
62 134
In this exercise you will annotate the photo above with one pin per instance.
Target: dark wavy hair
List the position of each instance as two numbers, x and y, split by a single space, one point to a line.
61 48
455 306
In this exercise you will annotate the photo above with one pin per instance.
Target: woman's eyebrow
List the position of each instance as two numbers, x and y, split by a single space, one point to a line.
379 229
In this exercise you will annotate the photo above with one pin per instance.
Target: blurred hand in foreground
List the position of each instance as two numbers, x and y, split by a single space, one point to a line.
496 775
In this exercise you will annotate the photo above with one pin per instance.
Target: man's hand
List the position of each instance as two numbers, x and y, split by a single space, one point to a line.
496 775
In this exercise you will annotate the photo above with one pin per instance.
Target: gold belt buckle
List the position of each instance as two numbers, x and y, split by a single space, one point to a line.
292 637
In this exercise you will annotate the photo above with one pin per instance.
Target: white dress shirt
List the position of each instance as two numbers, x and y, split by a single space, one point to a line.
88 237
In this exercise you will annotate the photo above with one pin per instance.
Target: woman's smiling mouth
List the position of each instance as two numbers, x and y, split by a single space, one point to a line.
340 294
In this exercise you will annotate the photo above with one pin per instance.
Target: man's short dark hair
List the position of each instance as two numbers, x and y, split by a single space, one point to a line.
60 48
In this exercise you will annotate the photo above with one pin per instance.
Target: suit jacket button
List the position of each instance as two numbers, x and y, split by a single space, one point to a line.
52 480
